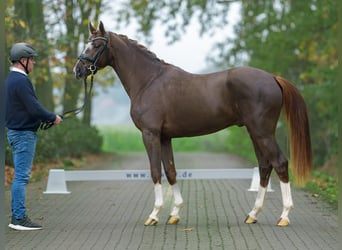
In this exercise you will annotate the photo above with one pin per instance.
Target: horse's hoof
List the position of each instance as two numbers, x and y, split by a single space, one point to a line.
283 222
250 220
172 220
151 222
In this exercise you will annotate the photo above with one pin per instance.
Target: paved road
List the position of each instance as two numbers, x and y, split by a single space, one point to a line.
111 214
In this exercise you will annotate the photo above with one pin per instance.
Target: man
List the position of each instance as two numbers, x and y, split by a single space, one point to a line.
24 114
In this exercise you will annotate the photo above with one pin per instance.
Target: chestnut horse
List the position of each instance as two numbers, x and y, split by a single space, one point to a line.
167 102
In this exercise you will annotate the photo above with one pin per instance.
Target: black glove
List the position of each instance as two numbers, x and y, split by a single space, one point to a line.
45 125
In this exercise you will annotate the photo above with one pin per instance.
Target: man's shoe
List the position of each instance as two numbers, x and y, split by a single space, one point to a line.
24 224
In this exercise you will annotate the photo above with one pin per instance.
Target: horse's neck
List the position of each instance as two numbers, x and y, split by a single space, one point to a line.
134 69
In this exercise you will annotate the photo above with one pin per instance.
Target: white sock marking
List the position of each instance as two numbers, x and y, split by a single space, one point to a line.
287 199
259 202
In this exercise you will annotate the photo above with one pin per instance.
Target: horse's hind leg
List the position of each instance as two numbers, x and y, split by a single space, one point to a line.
265 170
287 204
270 156
170 171
280 165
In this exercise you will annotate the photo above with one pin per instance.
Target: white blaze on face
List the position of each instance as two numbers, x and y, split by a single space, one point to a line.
89 46
74 69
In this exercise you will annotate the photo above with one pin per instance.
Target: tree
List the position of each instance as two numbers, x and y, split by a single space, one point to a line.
29 26
174 15
71 33
300 36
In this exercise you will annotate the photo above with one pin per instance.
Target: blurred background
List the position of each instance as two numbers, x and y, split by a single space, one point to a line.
294 39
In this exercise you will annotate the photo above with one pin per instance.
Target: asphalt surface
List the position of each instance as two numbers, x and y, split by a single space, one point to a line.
111 214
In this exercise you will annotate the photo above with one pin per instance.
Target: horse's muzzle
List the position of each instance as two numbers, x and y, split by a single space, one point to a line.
80 71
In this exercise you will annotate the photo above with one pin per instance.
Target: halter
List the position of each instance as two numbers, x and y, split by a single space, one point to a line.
93 60
92 68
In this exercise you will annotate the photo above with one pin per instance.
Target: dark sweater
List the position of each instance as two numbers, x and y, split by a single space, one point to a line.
23 110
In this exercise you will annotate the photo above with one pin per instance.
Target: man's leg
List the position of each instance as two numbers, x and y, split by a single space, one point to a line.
23 145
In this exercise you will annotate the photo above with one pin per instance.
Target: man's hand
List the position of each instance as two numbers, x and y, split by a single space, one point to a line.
57 120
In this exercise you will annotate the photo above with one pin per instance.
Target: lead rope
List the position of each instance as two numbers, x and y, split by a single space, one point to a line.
44 125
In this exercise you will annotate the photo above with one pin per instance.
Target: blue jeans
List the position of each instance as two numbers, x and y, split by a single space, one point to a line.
23 145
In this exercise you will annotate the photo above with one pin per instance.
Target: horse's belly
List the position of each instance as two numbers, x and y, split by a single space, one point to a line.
195 126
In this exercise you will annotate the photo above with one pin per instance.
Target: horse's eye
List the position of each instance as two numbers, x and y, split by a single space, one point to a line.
96 45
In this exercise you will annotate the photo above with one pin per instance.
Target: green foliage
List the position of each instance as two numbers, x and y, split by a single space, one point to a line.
8 154
296 39
240 143
70 139
322 105
324 186
173 15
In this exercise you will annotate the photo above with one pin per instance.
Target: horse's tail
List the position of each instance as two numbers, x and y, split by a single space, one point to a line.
300 142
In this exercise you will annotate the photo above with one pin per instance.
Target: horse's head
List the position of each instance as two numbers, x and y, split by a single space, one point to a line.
93 56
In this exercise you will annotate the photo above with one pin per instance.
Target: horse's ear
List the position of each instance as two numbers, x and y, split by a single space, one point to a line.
91 28
101 28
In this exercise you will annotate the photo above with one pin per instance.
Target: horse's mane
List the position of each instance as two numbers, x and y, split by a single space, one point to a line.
140 47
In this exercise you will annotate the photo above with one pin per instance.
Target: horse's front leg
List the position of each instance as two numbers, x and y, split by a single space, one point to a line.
170 171
153 148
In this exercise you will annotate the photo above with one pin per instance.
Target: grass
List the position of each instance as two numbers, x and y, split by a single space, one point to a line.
129 139
324 187
121 139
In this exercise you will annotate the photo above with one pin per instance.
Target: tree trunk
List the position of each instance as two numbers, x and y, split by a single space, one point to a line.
72 88
31 12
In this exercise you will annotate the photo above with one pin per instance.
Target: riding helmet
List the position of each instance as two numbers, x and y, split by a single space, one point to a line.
20 50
